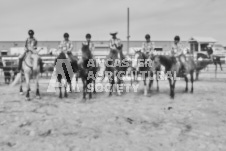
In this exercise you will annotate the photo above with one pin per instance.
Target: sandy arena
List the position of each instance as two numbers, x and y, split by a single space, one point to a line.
131 122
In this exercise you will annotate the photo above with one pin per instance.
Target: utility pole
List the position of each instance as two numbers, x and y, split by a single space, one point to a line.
128 36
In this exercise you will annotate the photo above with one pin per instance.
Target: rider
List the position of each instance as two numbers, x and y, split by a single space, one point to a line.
177 52
66 45
148 46
89 42
210 51
115 43
30 46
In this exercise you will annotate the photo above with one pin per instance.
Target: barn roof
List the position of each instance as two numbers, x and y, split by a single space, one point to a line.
202 39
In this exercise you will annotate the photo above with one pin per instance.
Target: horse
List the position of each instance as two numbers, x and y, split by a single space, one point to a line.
204 60
145 68
173 69
85 70
30 68
116 65
65 69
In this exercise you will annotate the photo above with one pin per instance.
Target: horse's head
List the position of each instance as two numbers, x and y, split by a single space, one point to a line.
86 53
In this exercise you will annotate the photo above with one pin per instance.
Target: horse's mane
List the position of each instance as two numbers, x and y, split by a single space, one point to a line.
86 53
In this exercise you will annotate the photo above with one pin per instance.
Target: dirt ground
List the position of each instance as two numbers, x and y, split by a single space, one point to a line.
131 122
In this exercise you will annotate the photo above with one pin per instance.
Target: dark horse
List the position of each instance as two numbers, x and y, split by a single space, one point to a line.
172 69
145 68
88 69
205 61
65 69
116 66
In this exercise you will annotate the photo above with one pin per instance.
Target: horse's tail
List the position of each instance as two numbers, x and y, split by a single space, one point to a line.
16 80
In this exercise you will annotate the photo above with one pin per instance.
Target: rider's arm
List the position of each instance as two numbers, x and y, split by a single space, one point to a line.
70 47
26 45
143 47
92 47
111 45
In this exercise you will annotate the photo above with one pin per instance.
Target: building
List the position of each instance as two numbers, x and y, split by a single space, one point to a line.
101 47
199 44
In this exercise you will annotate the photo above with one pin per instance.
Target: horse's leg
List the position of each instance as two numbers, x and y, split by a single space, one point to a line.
151 82
157 81
89 88
21 85
84 88
220 65
27 78
145 87
60 86
65 89
197 75
215 70
192 80
173 88
111 81
37 87
170 84
94 86
186 80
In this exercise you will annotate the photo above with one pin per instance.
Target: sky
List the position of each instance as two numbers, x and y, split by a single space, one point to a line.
162 19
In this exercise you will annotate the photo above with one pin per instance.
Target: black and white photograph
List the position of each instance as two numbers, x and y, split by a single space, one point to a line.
112 75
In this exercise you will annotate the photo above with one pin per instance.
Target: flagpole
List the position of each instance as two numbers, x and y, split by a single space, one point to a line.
128 26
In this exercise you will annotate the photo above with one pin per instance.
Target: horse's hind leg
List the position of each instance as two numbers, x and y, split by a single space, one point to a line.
192 80
186 80
65 90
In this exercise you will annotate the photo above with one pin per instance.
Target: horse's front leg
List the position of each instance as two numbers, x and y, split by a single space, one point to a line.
111 81
151 82
84 88
27 78
145 87
89 88
171 89
21 85
37 88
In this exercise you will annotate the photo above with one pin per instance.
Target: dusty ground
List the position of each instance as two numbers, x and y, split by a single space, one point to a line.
132 122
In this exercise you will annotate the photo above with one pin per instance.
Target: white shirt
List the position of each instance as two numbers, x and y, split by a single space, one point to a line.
114 43
66 46
148 46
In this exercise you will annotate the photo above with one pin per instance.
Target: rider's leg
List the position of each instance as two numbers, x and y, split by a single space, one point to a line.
21 58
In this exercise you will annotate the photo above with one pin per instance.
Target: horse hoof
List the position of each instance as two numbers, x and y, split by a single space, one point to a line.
186 90
191 91
60 97
27 99
21 93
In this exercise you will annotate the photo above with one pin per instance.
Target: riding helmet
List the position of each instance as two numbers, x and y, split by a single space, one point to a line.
31 32
176 38
88 35
66 35
147 36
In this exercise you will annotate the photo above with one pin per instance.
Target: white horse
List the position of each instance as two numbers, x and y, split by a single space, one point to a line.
30 68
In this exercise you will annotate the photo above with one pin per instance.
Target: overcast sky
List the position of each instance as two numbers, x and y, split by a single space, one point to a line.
163 19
